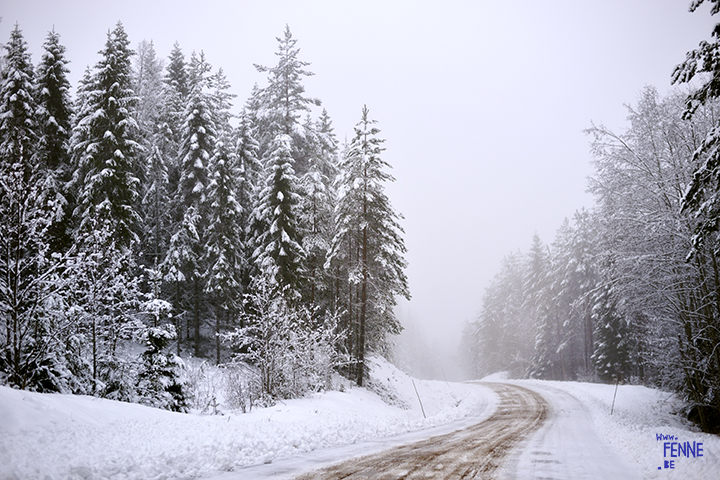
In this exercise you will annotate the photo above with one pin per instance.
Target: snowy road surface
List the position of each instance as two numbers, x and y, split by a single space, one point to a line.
536 431
474 452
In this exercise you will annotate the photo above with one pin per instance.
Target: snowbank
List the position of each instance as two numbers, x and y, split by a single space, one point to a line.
639 416
79 437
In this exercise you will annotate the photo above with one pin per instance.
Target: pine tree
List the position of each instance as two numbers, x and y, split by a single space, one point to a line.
159 383
24 260
368 226
279 254
52 91
183 260
283 100
224 259
105 147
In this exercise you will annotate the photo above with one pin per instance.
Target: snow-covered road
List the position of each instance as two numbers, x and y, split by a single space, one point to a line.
535 431
473 452
567 445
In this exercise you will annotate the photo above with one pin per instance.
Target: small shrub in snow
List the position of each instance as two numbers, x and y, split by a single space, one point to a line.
294 352
203 385
243 387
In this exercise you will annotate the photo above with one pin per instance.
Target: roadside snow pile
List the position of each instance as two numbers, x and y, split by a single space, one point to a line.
65 436
642 421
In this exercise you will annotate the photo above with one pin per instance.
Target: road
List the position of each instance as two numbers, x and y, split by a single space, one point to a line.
473 452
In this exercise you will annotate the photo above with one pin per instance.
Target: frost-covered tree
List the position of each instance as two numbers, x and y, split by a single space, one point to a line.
283 100
158 378
612 349
248 189
148 85
156 206
278 253
501 318
54 112
368 244
153 118
177 93
18 127
183 261
105 149
104 299
667 299
224 250
292 351
25 262
316 210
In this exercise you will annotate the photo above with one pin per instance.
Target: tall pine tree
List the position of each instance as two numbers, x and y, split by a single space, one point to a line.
105 147
368 227
54 112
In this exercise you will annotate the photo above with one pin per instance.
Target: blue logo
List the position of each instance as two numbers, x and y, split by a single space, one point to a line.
674 448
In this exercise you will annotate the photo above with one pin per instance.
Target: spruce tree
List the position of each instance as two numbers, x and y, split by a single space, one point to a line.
249 184
316 210
105 147
18 127
224 250
148 85
367 224
183 260
611 356
24 220
283 100
279 254
54 112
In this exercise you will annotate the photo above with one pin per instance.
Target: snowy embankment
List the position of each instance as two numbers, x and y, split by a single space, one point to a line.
66 436
643 420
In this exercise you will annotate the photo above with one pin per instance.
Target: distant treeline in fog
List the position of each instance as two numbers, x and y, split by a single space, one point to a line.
629 290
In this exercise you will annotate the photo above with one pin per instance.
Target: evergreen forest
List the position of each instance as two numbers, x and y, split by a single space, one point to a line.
144 221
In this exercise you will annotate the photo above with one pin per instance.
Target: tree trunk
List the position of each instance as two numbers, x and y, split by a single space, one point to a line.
363 312
196 315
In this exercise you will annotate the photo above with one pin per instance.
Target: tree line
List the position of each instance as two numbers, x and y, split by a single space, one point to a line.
629 291
143 211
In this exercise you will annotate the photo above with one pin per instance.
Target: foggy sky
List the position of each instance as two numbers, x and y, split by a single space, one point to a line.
482 103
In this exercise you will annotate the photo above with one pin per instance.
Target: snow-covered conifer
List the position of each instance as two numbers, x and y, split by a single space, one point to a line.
224 251
279 254
105 147
367 224
54 112
283 101
158 379
183 260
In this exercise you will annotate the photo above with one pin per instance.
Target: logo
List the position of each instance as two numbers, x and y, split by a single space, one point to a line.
673 448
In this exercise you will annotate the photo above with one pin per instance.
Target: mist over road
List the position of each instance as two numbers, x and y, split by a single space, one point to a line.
473 452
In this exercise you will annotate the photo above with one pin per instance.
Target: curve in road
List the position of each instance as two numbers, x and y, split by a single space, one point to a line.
473 452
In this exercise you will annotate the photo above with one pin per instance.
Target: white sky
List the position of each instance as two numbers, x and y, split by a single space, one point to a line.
483 103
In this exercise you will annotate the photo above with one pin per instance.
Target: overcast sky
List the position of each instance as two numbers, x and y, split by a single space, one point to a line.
482 103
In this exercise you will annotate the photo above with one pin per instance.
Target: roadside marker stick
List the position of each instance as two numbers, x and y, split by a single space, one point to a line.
418 395
614 395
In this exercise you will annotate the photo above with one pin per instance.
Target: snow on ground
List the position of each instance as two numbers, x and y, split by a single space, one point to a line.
80 437
639 416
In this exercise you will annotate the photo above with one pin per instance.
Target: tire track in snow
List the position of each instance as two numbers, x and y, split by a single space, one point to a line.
473 452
